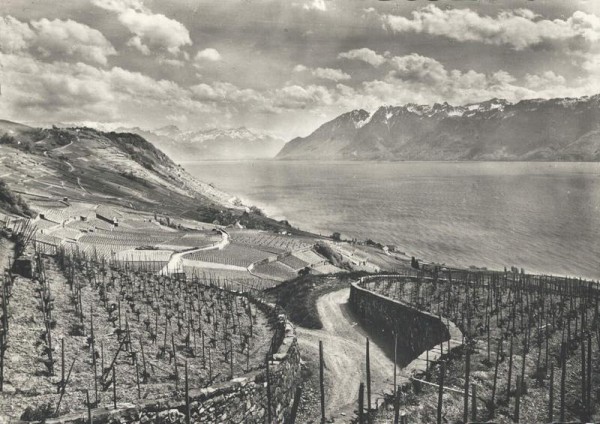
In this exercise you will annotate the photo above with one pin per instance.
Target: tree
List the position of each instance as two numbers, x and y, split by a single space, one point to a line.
414 263
336 236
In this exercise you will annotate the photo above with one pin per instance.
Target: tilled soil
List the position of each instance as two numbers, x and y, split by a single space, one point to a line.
29 384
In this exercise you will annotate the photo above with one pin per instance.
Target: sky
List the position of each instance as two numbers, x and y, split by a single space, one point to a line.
284 66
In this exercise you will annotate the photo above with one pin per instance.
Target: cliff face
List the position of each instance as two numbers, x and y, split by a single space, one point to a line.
556 129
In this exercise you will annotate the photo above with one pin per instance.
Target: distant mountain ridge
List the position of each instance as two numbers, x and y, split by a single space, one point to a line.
212 144
566 129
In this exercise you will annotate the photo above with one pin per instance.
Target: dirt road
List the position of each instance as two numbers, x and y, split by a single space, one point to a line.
175 263
344 351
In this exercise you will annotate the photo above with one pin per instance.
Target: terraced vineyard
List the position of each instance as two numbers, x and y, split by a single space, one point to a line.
532 346
81 328
293 262
271 242
275 271
310 257
233 254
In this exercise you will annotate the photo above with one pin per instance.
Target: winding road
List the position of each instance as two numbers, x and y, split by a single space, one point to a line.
175 263
344 353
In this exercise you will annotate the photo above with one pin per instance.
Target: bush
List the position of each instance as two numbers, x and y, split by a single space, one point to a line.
38 413
12 202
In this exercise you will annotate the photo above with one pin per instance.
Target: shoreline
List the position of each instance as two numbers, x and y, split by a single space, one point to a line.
270 213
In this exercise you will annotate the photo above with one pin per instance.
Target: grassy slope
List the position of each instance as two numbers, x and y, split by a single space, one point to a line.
113 168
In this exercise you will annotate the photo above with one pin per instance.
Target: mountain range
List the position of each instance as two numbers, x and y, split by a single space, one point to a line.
566 129
212 144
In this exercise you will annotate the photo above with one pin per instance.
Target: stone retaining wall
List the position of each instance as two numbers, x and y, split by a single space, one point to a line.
421 335
417 330
241 400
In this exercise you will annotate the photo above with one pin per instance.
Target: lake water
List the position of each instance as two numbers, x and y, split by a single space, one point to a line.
544 217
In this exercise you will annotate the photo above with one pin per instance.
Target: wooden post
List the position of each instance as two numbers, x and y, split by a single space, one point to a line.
397 405
137 380
62 362
145 375
175 362
268 393
114 381
297 397
473 402
466 387
187 396
89 407
441 392
510 366
518 399
395 362
368 379
563 378
589 376
322 381
495 383
361 402
551 396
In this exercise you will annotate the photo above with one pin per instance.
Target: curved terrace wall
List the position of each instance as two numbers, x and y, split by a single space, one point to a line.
241 400
418 331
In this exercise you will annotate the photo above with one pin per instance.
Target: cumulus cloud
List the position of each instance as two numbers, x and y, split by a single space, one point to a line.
415 78
319 5
210 54
151 31
324 73
365 55
544 80
300 68
301 97
66 91
519 28
55 40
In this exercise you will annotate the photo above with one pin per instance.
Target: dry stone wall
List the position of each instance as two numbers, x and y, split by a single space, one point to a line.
241 400
418 331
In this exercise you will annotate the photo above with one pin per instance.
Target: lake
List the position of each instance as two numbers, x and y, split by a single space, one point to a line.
544 217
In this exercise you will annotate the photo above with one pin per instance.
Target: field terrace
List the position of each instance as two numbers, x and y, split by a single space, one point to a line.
120 335
532 347
143 241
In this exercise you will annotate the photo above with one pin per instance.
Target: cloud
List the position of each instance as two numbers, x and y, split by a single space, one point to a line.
519 28
55 40
324 73
545 80
365 55
319 5
14 35
300 68
63 91
151 31
419 68
180 119
420 79
301 97
210 54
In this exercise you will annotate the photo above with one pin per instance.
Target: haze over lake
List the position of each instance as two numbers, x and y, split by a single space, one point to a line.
544 217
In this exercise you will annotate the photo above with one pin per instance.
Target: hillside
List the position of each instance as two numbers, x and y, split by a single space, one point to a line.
550 130
213 144
49 168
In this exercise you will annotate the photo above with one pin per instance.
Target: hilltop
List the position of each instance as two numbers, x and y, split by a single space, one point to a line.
565 129
50 167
